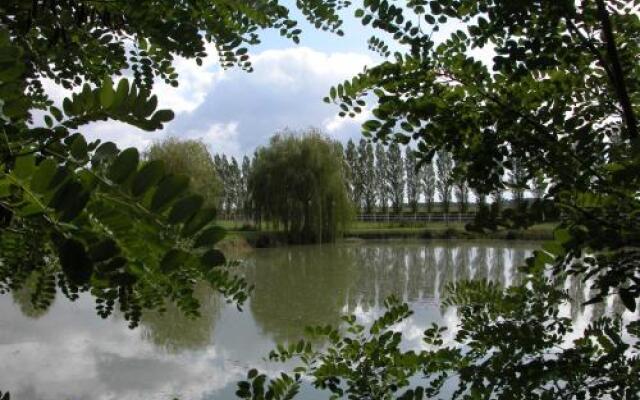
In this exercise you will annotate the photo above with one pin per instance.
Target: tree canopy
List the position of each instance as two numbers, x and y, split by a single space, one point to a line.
298 181
190 158
131 233
560 96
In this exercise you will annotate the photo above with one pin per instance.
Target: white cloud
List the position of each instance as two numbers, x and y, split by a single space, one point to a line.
336 123
234 111
194 83
219 137
298 64
284 91
122 134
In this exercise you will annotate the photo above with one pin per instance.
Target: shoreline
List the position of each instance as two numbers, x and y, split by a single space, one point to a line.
239 240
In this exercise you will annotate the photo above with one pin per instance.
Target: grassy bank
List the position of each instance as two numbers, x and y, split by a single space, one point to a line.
239 236
440 230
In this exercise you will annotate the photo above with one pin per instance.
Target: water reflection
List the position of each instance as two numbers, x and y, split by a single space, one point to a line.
70 353
300 286
174 332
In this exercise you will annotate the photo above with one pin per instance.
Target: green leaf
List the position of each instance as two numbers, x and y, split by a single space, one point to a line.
43 175
148 176
104 250
5 188
213 258
57 114
149 106
69 200
185 208
24 167
107 95
561 236
554 248
203 218
628 299
210 236
75 262
79 149
169 189
163 116
173 260
125 164
106 151
67 106
121 93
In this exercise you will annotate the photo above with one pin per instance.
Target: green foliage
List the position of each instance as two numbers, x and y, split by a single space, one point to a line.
234 196
444 181
395 176
83 215
414 174
382 188
510 344
190 158
559 97
353 174
298 181
554 112
367 171
91 217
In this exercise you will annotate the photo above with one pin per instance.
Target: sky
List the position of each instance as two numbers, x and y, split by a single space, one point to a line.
234 112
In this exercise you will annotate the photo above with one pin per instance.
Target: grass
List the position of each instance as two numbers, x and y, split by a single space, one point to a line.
368 226
387 230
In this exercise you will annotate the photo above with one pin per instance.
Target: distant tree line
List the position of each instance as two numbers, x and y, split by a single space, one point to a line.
384 179
377 178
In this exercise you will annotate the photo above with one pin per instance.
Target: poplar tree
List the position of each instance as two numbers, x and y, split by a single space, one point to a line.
395 177
235 183
414 179
518 181
246 202
367 173
461 190
382 187
444 179
353 174
428 184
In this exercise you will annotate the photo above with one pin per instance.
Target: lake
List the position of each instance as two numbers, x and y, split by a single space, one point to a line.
68 352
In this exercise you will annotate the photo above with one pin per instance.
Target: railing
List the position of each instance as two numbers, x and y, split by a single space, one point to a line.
383 217
430 217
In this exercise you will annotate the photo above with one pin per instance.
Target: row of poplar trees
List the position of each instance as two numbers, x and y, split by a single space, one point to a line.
233 199
381 179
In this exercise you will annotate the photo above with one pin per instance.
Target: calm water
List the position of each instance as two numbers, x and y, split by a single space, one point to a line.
70 353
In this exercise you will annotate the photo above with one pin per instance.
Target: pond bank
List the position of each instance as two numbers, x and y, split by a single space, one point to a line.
240 241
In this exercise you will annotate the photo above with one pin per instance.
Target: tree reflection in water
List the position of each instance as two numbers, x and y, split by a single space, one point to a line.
295 287
315 285
174 332
301 286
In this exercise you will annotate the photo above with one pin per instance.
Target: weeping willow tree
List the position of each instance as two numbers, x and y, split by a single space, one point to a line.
298 183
